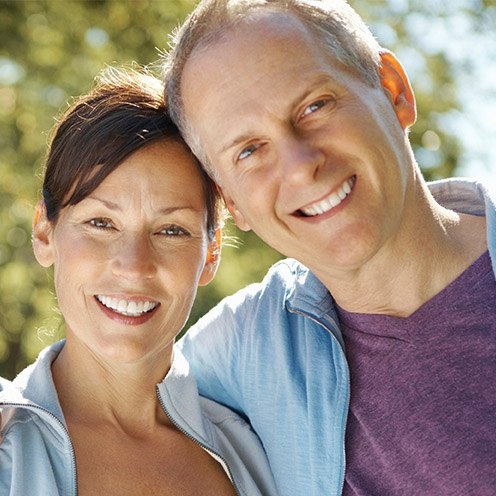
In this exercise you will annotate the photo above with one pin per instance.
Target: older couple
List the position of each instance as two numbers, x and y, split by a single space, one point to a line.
364 362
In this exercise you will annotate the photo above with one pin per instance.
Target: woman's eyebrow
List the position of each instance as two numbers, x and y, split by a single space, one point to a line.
170 210
163 210
109 204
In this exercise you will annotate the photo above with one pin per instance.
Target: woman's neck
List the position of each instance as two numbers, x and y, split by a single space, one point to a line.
92 389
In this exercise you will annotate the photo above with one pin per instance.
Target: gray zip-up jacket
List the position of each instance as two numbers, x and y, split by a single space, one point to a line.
37 456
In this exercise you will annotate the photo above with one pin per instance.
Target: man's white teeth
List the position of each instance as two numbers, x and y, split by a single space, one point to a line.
127 307
333 200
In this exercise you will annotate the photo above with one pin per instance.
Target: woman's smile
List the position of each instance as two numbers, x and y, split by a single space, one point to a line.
133 311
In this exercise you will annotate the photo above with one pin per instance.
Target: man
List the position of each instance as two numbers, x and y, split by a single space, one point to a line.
302 119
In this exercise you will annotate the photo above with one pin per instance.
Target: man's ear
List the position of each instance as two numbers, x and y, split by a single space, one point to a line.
235 213
212 259
397 87
42 236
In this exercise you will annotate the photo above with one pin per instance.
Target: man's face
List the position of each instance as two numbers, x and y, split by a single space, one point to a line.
306 154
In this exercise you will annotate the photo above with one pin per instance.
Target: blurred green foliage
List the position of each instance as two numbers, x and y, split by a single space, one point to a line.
51 50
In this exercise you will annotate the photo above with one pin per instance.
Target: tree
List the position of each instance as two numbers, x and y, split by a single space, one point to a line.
52 50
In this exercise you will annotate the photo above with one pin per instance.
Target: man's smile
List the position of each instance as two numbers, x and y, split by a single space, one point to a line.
329 202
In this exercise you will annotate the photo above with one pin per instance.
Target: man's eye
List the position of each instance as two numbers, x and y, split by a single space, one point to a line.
174 231
101 223
246 152
313 107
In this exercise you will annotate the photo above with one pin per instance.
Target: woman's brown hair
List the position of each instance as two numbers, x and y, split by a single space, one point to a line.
124 112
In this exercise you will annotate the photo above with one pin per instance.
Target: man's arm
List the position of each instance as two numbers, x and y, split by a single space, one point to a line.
233 349
213 348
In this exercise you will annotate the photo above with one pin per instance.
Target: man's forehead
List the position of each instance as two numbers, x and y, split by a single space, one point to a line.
221 83
263 21
239 55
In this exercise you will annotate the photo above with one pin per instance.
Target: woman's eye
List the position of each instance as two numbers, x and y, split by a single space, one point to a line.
246 152
174 231
313 107
101 223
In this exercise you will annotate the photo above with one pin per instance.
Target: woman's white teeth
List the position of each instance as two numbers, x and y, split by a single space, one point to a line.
333 200
127 307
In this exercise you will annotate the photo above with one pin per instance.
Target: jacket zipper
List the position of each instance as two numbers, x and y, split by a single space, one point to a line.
210 451
64 428
347 406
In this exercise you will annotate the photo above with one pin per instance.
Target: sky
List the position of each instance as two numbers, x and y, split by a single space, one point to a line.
469 42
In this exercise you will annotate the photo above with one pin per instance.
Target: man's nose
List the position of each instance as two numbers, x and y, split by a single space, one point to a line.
301 159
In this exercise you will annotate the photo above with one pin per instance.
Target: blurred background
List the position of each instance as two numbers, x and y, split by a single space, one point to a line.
51 50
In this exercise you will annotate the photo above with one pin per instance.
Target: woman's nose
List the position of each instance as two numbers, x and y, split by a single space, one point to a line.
134 258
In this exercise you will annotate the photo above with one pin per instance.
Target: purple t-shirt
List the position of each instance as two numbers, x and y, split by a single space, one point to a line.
422 417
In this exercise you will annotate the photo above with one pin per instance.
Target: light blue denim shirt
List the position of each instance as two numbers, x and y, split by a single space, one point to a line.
37 457
274 353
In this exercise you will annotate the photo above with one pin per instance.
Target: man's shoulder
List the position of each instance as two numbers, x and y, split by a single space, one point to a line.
283 281
286 273
287 285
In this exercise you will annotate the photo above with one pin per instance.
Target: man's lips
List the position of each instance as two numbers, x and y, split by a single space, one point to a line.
330 201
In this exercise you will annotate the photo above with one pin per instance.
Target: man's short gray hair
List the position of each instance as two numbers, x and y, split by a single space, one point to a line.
335 24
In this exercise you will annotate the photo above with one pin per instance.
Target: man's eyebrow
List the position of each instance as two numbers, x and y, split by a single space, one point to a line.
313 85
236 141
309 89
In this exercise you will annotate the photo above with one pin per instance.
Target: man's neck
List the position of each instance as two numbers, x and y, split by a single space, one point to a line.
434 248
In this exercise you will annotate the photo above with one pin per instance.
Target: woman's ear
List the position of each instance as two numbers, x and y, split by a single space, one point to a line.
397 87
42 236
212 260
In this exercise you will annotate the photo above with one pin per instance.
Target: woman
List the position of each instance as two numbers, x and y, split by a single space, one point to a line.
130 223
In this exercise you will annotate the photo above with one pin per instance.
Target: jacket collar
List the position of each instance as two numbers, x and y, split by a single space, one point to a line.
469 196
179 395
34 385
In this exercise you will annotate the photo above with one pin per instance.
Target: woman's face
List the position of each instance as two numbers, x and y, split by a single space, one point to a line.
129 257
